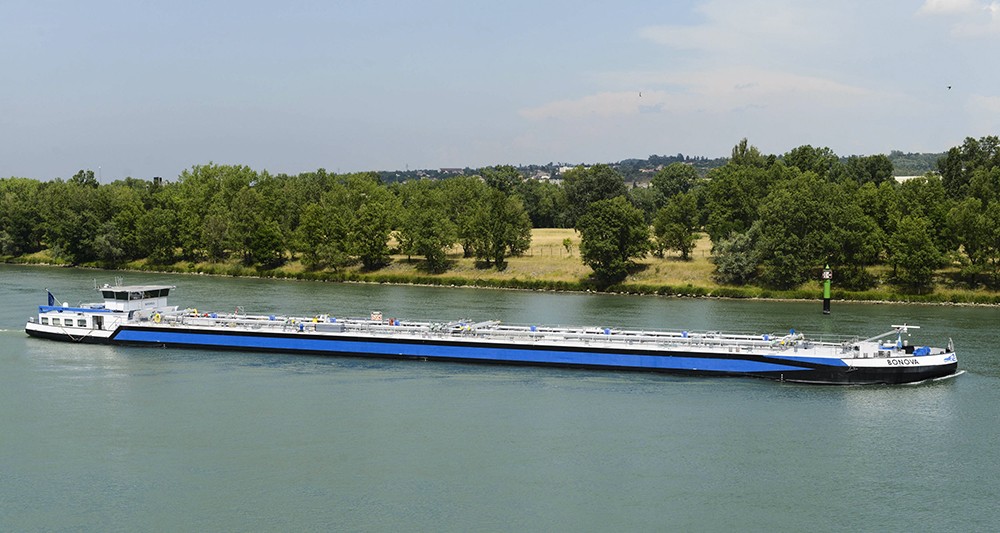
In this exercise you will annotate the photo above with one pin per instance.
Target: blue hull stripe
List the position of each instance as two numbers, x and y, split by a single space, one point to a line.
465 352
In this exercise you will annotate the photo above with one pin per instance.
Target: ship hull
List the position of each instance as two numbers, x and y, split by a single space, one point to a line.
781 367
63 336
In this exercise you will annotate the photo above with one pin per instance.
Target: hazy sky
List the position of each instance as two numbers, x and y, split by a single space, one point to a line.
141 88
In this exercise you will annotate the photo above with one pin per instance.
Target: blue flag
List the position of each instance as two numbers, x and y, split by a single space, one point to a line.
52 299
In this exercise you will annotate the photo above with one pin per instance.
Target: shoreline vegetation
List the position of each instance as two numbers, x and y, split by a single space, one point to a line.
760 226
552 263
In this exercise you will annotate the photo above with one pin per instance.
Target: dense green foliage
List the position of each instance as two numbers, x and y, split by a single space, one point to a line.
584 186
216 212
612 234
736 259
777 221
501 227
423 230
676 224
774 220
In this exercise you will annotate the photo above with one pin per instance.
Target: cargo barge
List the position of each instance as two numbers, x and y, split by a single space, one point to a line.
139 315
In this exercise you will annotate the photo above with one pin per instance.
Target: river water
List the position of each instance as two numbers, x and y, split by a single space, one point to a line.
96 438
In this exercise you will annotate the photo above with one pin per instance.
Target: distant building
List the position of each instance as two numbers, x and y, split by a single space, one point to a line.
544 176
564 169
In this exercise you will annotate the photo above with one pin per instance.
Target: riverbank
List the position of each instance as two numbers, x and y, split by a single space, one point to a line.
553 264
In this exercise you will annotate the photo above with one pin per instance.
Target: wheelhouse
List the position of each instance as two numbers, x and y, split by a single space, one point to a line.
121 303
136 297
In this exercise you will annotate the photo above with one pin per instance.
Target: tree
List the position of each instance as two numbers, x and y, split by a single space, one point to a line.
914 256
858 241
215 233
745 154
352 221
296 193
463 195
157 229
20 219
108 245
255 236
70 220
673 179
612 234
376 211
985 185
426 229
585 186
504 178
960 163
502 228
545 203
968 224
119 206
733 195
821 161
84 178
877 169
796 225
647 200
977 229
267 246
676 224
323 232
205 188
992 216
736 258
881 204
925 197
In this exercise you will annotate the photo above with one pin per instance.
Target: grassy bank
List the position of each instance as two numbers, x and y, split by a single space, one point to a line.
549 265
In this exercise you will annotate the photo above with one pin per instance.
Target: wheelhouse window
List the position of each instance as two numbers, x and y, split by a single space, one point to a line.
81 322
124 295
45 321
55 321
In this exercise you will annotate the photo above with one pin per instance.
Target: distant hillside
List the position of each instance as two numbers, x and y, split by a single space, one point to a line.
642 170
913 164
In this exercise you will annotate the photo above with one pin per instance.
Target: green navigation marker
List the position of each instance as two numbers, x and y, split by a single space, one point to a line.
827 276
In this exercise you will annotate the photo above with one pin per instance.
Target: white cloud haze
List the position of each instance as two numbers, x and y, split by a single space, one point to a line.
146 90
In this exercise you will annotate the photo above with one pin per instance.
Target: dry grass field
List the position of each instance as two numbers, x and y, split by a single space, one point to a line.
551 264
549 259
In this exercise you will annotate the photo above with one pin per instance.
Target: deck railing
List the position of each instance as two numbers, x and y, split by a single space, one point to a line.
495 330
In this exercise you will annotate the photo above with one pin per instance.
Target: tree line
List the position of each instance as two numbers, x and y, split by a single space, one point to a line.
774 220
215 212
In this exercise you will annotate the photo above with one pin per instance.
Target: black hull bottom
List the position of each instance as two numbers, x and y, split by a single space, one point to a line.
82 339
873 376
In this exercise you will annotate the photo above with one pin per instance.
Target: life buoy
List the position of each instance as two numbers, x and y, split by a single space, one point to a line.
156 318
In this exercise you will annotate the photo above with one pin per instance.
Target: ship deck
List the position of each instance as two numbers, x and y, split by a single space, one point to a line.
495 331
